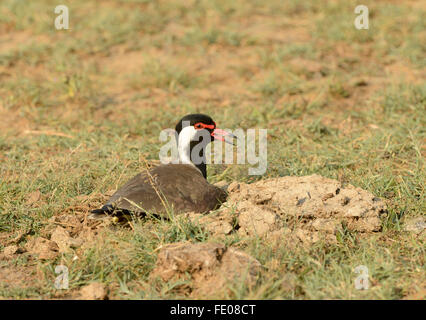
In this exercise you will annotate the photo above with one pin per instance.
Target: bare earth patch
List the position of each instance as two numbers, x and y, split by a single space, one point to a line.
308 208
93 291
210 266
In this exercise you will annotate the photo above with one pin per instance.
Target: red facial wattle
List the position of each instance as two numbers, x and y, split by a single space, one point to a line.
200 125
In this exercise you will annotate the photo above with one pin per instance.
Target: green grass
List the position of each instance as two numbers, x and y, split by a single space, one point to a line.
81 108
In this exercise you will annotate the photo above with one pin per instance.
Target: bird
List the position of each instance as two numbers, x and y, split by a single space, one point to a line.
173 187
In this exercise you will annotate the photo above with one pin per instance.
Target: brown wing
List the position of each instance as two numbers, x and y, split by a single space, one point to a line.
180 186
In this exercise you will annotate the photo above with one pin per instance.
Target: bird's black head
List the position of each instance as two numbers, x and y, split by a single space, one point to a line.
197 120
193 129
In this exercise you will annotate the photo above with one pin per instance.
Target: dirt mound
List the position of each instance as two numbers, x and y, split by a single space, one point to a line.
63 233
10 251
311 207
71 231
209 266
93 291
63 239
42 248
415 225
217 223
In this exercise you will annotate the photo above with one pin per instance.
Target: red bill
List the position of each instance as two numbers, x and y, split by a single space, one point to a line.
219 134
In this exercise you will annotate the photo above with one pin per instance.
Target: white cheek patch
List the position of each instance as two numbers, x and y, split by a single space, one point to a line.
186 135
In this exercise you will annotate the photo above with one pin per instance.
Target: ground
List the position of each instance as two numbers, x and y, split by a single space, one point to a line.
82 110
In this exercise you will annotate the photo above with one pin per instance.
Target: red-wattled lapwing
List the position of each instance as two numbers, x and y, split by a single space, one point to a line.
181 186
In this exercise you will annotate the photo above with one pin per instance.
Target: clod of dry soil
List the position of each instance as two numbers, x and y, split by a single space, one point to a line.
306 208
416 225
210 266
94 291
43 248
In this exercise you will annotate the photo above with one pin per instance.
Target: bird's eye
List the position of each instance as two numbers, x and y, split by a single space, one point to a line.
198 126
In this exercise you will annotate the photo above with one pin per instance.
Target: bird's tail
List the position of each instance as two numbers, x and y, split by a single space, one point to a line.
101 213
109 210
